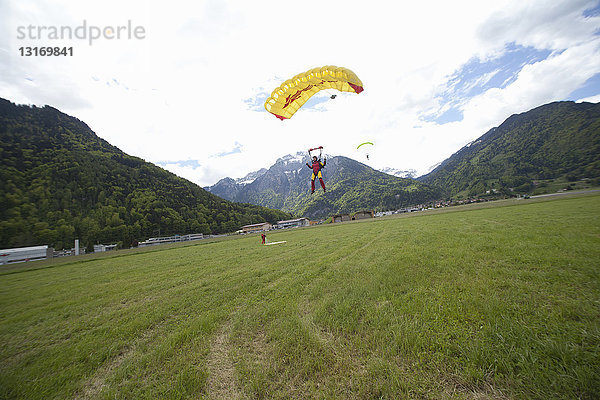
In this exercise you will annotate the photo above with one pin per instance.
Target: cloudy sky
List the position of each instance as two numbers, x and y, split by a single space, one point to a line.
186 89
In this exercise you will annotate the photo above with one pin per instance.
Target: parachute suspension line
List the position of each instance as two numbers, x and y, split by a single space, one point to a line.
320 148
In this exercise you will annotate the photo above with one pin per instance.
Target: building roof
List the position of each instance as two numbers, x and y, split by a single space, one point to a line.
19 249
255 225
292 220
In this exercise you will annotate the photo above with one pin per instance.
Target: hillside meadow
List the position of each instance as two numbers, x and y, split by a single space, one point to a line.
494 301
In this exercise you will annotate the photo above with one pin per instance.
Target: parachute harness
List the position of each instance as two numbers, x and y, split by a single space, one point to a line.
316 168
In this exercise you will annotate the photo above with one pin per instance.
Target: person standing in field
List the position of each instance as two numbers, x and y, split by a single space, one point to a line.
263 237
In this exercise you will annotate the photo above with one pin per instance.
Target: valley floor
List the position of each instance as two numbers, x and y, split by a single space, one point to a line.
494 301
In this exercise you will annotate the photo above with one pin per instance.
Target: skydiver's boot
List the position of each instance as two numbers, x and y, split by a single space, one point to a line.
322 184
312 186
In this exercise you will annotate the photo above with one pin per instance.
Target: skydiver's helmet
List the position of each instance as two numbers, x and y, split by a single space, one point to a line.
314 158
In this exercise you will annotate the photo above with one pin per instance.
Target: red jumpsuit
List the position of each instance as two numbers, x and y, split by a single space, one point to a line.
316 168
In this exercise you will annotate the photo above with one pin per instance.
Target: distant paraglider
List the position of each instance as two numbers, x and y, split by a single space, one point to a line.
365 148
293 93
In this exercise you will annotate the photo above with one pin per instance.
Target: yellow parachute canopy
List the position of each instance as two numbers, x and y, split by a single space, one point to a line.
293 93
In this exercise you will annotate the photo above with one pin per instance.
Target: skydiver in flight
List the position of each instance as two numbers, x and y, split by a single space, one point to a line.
316 167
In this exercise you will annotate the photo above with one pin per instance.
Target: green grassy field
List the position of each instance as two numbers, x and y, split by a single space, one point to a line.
489 302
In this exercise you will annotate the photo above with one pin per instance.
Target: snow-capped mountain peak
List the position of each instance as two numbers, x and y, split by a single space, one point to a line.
251 177
410 173
299 157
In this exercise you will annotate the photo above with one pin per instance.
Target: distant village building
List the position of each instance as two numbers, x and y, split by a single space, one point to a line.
363 215
22 254
170 239
99 248
68 252
263 226
293 223
340 218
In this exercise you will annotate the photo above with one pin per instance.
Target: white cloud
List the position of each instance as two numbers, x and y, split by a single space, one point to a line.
552 25
550 80
183 91
592 99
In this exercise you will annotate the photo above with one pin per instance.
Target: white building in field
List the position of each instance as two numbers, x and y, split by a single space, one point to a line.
263 226
173 239
293 223
98 248
22 254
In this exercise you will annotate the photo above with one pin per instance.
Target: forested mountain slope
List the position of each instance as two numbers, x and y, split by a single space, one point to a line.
59 181
547 142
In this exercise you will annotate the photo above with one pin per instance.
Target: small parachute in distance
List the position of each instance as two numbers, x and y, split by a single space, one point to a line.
365 148
293 93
